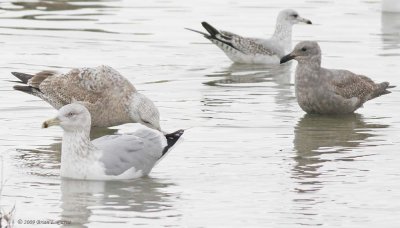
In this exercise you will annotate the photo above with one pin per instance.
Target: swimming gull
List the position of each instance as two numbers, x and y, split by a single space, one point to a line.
110 157
256 50
110 97
329 91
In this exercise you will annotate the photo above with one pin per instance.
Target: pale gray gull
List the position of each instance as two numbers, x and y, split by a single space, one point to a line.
110 98
110 157
329 91
247 50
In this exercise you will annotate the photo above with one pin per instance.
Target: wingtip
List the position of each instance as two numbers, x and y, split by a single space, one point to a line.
26 89
172 138
22 76
210 29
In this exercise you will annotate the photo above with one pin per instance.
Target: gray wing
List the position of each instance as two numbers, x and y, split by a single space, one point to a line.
141 150
250 46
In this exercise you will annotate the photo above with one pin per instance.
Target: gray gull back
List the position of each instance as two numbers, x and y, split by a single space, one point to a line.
110 157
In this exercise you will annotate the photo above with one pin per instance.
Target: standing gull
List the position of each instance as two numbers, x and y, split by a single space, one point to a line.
109 157
110 98
329 91
256 50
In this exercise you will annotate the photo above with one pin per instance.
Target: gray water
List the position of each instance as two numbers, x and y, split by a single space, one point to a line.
251 158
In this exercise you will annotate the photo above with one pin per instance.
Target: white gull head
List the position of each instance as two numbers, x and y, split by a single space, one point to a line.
283 29
72 117
289 16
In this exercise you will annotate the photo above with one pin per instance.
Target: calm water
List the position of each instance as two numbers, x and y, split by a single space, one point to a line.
251 158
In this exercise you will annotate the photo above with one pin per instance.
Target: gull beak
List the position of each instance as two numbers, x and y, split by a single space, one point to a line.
286 58
304 20
51 122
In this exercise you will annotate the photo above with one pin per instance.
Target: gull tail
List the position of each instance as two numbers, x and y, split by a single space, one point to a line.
172 138
382 89
220 38
22 76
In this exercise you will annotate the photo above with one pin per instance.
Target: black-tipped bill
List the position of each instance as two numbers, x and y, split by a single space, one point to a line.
51 122
286 58
309 22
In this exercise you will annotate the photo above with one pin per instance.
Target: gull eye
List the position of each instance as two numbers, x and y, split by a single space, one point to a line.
304 49
70 114
295 15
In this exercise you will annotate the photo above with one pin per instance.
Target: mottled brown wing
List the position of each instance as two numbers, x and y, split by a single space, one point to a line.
40 77
354 86
85 84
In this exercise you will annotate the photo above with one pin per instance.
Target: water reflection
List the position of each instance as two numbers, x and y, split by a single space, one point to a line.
390 30
55 5
316 136
240 74
82 199
321 139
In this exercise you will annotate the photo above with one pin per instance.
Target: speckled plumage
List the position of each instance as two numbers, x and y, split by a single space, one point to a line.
242 49
102 90
329 91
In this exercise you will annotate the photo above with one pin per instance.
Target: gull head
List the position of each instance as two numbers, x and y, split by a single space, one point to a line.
292 17
144 111
71 117
305 51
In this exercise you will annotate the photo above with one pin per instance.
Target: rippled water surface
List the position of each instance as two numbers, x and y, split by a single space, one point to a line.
251 158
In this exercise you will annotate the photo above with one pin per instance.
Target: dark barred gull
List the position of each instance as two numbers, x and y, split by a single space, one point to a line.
329 91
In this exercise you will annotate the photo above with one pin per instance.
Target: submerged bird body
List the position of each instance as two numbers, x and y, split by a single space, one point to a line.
329 91
109 157
256 50
110 98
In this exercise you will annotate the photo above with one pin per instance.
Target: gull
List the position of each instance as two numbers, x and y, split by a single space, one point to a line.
242 49
329 91
110 98
111 157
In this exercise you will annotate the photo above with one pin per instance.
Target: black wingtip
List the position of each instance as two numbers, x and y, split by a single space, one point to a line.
213 31
172 138
25 89
22 76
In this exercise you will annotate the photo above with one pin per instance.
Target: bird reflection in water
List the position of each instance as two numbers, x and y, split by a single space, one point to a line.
316 136
241 74
80 200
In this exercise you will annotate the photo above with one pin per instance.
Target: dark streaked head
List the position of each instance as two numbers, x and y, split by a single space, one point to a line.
305 51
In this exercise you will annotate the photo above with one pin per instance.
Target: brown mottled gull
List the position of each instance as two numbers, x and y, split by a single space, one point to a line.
110 97
255 50
110 157
329 91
